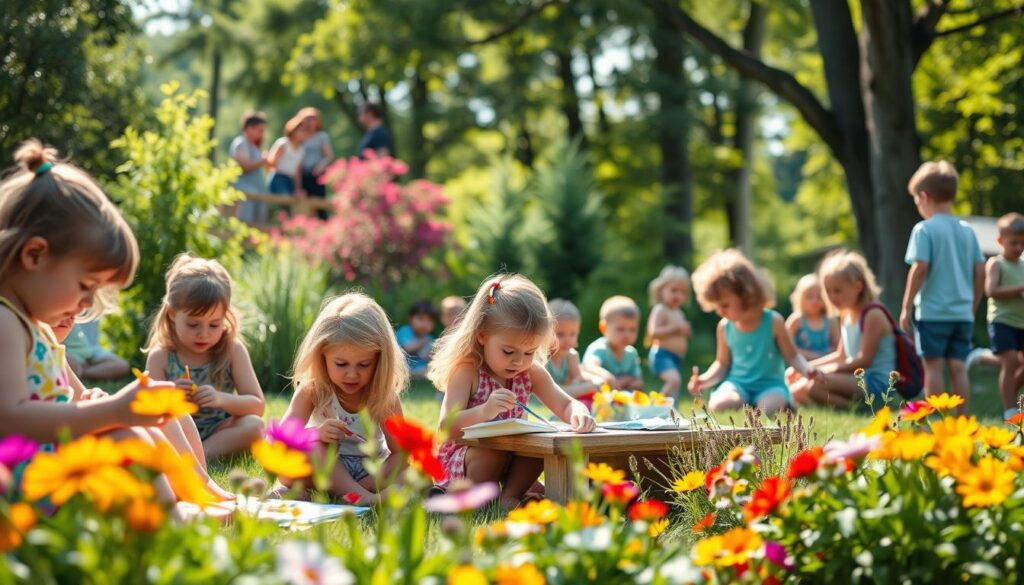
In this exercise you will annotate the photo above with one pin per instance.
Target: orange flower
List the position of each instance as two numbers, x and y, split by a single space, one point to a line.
535 512
733 548
144 515
713 475
766 499
648 510
915 411
525 574
418 442
619 493
582 514
1017 419
805 463
169 402
20 518
705 523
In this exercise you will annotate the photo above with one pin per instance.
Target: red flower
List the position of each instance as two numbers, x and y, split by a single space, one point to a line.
419 442
351 498
648 510
428 463
620 493
773 491
1016 419
714 474
805 463
705 523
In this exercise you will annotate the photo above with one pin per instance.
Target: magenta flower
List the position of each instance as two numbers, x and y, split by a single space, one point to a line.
470 499
776 553
293 433
15 448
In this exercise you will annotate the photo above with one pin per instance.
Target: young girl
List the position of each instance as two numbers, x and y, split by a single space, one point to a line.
62 245
564 364
194 340
753 346
813 333
487 367
350 363
867 336
668 331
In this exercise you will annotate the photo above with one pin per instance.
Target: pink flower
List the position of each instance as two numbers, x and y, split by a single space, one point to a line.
469 499
293 433
856 447
15 448
776 553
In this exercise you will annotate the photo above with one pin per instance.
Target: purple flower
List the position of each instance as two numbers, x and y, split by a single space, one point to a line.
293 433
469 499
776 553
15 448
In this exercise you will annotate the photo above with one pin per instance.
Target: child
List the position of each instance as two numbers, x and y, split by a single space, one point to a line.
813 333
488 367
62 246
415 337
286 159
753 346
452 309
668 331
88 359
866 332
196 329
1004 285
945 281
350 363
613 357
564 365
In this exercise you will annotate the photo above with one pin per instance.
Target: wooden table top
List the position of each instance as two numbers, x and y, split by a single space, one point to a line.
608 441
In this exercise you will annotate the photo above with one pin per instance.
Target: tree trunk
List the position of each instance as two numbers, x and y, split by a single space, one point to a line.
670 82
887 67
603 125
214 97
417 153
570 99
741 229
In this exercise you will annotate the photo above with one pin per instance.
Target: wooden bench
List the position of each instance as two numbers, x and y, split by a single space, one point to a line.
296 205
610 446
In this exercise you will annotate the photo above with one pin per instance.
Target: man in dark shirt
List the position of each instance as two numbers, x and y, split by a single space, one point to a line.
377 137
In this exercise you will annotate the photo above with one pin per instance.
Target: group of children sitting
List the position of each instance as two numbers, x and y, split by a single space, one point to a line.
64 246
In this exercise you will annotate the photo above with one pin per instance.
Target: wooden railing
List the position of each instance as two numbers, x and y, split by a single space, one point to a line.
296 205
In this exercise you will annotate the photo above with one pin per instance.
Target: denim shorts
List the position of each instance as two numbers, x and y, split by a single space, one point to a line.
876 383
354 466
661 360
943 339
1005 337
281 184
752 397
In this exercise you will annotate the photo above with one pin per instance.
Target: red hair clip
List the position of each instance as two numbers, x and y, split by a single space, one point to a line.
494 288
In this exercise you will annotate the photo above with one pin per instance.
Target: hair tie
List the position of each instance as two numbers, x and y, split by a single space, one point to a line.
43 168
494 288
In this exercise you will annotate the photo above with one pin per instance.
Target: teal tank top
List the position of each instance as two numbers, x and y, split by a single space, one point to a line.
558 373
757 363
816 340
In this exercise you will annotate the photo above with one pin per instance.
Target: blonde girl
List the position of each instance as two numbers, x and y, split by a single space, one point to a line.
753 347
668 331
487 367
865 331
63 245
194 340
813 332
350 363
564 364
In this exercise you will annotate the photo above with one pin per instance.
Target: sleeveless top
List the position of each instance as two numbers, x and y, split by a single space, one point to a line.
348 445
201 375
558 373
1008 311
756 363
47 379
885 357
816 340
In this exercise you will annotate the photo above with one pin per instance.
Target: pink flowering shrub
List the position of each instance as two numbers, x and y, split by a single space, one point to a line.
381 230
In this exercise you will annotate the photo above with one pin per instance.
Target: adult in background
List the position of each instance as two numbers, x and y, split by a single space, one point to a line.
377 137
316 152
246 150
286 158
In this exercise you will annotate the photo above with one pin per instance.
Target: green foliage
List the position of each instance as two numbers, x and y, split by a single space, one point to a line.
279 295
495 235
174 199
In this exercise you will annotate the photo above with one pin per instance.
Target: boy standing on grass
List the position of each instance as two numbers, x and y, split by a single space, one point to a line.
945 281
1004 286
612 357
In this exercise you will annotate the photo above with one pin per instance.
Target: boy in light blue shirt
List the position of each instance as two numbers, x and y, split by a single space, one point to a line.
946 279
613 358
416 339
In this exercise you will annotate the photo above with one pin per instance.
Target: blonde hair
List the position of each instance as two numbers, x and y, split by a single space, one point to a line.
852 267
1011 224
731 271
668 274
196 286
564 310
504 302
619 306
806 283
62 204
355 319
936 178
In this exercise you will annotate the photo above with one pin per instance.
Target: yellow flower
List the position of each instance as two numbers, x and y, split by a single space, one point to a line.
945 401
144 515
634 547
535 512
907 446
657 527
583 515
658 399
995 437
951 457
986 484
732 548
19 520
603 473
1016 457
280 460
90 465
689 482
621 397
525 574
466 575
641 399
960 426
881 423
170 402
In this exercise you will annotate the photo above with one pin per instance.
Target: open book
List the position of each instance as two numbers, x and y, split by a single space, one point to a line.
510 426
290 513
646 424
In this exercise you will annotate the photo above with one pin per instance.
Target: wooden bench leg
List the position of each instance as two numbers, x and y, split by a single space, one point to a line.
559 482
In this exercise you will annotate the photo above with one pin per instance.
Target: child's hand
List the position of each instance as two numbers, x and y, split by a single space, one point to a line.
695 385
208 397
905 322
333 430
501 400
92 394
813 373
582 422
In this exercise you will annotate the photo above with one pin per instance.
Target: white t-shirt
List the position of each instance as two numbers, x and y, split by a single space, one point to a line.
290 158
